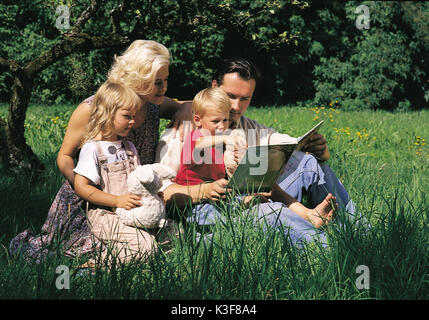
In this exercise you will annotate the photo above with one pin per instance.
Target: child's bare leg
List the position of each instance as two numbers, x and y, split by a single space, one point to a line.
324 211
322 214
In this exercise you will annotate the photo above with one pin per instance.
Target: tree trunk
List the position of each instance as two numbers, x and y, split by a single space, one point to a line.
18 153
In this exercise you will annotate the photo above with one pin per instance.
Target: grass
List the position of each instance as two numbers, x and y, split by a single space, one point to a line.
380 157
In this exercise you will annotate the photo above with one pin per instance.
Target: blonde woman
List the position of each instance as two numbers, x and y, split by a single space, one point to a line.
143 67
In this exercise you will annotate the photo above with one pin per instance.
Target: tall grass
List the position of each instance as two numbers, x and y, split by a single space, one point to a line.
238 258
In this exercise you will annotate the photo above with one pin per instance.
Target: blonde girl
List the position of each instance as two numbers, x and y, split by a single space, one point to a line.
105 161
112 117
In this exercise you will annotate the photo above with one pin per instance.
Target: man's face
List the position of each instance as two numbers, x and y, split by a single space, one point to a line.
239 91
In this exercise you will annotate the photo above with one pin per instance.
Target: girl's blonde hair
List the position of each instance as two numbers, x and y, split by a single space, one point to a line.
214 98
136 68
110 97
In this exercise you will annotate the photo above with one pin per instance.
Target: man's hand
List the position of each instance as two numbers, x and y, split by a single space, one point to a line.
182 121
317 145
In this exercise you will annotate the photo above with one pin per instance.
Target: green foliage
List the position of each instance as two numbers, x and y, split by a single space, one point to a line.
305 50
383 66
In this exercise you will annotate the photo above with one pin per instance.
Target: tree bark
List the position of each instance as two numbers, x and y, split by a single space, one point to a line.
18 153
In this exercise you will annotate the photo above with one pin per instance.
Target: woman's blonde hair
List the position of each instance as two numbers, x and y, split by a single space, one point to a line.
207 98
136 68
110 97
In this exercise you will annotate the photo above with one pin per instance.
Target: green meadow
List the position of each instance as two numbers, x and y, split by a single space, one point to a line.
382 158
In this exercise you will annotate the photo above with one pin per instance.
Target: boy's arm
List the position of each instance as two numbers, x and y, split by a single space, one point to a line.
182 196
209 141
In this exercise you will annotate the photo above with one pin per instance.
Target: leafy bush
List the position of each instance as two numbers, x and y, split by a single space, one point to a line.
385 66
304 50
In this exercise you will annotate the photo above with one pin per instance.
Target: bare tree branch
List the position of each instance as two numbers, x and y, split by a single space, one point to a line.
85 16
72 44
4 65
115 17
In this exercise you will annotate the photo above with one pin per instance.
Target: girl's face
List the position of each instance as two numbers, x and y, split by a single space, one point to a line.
123 122
158 92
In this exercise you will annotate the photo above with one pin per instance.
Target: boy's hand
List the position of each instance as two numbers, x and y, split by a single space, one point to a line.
235 143
235 149
215 191
128 201
256 196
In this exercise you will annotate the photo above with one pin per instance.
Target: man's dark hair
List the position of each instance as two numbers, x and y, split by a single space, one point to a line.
244 68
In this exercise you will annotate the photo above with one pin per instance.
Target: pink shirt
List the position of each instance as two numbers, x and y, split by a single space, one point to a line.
198 167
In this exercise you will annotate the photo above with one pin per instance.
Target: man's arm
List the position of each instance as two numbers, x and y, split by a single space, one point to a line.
316 144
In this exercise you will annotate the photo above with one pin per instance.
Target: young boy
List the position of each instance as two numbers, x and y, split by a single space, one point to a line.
202 158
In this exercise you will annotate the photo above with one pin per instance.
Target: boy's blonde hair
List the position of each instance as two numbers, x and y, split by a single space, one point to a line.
110 97
136 68
207 98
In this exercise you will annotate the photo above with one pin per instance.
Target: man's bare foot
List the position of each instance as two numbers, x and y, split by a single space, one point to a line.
324 212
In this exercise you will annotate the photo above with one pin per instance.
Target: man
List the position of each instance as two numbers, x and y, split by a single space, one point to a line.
311 176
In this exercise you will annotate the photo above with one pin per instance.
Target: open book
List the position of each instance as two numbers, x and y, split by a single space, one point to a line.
261 166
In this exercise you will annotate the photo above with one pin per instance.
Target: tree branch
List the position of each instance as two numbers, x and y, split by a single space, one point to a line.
115 17
85 16
8 65
226 18
72 44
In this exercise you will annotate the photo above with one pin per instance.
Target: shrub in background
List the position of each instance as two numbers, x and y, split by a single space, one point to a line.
305 50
